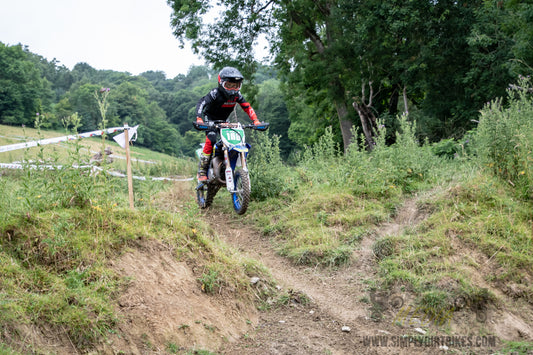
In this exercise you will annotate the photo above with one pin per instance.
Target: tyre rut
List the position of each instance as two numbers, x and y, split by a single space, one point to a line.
338 297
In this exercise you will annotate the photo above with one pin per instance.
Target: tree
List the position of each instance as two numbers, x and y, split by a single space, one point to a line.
83 72
23 92
270 108
406 54
59 76
180 107
445 58
81 100
157 134
519 26
304 35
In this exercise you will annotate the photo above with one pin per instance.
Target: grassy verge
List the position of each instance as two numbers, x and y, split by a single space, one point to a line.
56 274
321 226
61 229
478 235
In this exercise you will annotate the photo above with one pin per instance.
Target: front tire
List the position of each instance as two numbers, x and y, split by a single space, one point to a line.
241 196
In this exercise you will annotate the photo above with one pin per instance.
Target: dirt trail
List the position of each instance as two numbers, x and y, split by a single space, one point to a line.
338 298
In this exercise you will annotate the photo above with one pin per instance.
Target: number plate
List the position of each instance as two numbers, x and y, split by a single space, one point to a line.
232 135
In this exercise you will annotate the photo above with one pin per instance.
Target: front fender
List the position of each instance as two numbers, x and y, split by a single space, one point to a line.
235 154
241 148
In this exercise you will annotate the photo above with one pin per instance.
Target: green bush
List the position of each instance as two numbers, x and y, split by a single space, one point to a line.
390 170
504 138
269 176
446 148
322 163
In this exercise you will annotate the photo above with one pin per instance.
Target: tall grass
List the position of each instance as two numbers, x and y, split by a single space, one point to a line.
59 229
504 138
388 171
342 198
337 198
269 176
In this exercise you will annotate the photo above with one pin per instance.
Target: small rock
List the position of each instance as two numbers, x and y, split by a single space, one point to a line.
254 280
311 312
420 330
416 322
384 331
346 329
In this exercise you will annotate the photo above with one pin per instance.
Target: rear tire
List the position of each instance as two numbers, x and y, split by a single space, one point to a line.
241 197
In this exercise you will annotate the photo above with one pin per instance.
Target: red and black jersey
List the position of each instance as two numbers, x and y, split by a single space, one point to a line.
216 106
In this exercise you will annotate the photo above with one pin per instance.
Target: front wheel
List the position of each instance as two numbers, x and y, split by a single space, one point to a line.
241 196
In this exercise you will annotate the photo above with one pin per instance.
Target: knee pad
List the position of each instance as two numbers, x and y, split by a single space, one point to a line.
212 136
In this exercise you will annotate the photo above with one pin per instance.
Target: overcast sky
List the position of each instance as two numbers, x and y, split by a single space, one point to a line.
123 35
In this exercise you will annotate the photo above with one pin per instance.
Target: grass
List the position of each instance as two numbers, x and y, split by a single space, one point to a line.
55 273
475 222
161 164
320 226
60 230
55 265
517 347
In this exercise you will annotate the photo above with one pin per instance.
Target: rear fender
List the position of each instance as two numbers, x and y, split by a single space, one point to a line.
198 153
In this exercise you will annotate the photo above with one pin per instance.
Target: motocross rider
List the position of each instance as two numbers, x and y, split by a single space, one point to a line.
217 105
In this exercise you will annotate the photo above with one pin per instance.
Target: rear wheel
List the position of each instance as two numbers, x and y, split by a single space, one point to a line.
241 196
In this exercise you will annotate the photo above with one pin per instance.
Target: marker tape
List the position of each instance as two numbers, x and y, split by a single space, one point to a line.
93 169
7 148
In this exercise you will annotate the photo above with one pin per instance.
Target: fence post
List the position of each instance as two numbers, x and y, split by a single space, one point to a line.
128 164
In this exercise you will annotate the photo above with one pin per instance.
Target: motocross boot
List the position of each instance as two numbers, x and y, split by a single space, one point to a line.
203 165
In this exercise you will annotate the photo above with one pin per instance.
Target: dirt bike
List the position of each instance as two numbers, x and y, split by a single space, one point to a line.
228 164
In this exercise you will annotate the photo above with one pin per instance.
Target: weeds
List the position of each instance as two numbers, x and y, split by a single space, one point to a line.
60 228
267 173
210 281
504 139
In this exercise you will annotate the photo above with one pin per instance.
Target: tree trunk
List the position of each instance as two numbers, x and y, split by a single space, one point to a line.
369 123
394 98
345 123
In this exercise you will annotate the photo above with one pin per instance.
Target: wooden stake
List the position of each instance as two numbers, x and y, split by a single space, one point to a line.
128 164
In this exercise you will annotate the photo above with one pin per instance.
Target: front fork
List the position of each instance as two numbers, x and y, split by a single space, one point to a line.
228 172
230 184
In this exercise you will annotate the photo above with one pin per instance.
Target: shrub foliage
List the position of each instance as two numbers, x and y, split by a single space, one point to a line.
504 138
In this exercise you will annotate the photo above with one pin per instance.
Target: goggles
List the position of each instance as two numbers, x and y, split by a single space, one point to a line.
228 85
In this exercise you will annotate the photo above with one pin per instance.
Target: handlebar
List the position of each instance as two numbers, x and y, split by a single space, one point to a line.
208 125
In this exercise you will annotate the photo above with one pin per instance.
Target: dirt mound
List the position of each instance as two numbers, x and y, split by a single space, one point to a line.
163 308
338 298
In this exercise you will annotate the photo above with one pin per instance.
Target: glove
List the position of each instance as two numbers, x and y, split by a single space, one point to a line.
256 123
199 120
